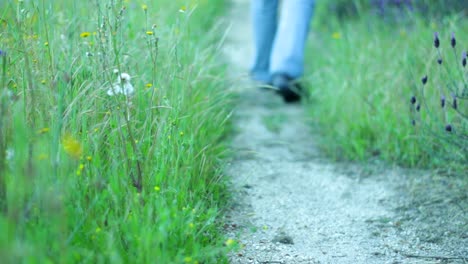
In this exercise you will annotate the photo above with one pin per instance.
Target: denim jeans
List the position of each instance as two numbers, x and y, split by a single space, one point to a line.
279 43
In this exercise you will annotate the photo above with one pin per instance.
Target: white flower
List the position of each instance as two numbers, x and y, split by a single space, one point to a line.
9 154
122 86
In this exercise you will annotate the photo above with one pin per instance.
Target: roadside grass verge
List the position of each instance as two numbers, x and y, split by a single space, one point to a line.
363 74
112 115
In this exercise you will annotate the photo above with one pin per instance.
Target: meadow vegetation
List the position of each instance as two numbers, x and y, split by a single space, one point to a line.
369 97
111 119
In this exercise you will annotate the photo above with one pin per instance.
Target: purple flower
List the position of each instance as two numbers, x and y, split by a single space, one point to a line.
453 41
424 80
436 40
464 59
448 128
2 53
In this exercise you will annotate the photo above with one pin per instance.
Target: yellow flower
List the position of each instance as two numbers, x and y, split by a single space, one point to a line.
145 7
43 81
181 133
230 242
44 130
72 146
149 33
156 188
46 43
336 35
80 169
85 34
149 85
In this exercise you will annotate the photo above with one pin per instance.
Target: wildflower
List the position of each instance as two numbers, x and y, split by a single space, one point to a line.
44 130
448 128
336 35
464 59
413 99
2 53
413 122
98 230
43 81
439 61
144 7
181 133
72 146
89 158
9 154
157 188
85 34
453 41
149 85
188 259
418 107
191 225
80 169
230 242
436 40
46 43
454 102
149 32
442 101
122 86
183 9
424 80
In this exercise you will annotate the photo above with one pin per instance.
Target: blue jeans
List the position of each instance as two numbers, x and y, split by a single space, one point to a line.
279 43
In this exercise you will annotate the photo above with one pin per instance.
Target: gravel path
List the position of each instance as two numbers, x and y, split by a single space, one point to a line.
294 206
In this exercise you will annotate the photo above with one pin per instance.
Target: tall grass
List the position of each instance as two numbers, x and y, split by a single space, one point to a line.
93 178
363 73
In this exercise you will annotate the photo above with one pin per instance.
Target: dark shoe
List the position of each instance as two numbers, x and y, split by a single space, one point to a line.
289 89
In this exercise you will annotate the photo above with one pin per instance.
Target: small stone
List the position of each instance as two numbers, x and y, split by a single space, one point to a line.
283 238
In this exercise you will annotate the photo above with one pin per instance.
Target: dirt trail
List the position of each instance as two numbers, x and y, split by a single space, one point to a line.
293 206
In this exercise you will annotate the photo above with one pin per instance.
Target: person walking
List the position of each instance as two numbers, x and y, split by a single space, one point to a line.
279 43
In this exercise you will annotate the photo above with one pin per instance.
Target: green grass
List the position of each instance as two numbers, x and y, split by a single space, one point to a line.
363 72
90 178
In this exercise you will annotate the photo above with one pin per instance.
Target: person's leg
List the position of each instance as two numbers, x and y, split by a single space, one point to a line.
288 49
264 18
